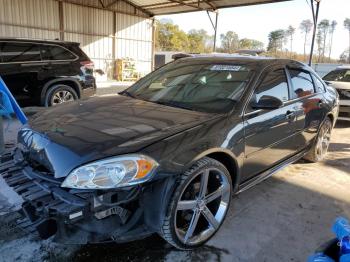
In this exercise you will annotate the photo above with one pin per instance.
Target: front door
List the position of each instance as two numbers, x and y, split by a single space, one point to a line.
269 134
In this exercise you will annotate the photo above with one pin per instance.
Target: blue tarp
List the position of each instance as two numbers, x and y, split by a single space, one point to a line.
9 104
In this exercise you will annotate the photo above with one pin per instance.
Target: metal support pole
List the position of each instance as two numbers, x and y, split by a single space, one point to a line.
215 26
215 29
315 19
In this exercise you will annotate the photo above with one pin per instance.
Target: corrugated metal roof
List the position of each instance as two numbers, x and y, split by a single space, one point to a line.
162 7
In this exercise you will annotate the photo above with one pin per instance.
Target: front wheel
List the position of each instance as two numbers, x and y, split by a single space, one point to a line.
199 205
320 147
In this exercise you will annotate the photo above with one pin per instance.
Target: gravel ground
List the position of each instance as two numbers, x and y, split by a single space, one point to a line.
284 218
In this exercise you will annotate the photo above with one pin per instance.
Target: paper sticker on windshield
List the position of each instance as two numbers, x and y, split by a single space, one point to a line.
226 68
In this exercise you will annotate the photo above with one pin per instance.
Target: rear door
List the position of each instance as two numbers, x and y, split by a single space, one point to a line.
309 105
20 62
269 134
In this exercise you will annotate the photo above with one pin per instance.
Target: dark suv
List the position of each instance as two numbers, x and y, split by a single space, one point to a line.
167 154
45 73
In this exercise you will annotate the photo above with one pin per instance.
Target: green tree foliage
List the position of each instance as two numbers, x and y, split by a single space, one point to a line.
305 27
170 37
229 42
198 41
250 44
347 26
276 39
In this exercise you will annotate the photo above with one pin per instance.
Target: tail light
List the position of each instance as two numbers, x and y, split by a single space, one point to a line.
88 64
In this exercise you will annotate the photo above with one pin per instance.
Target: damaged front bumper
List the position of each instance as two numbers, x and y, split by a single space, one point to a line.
84 216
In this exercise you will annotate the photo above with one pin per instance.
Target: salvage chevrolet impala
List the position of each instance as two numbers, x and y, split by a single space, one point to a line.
166 155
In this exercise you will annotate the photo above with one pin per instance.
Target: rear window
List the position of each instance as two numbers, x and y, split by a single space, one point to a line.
52 52
19 52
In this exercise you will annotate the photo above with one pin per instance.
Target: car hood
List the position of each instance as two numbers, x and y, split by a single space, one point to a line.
72 134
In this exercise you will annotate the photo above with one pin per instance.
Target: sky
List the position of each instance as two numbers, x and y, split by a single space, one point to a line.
258 21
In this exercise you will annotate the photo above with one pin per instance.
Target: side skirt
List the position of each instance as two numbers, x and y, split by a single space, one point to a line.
266 174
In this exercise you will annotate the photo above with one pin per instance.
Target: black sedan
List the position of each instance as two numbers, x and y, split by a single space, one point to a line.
167 155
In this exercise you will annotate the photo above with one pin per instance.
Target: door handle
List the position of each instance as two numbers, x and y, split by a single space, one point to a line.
321 103
290 114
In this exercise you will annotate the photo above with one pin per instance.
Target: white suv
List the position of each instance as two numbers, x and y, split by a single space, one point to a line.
340 80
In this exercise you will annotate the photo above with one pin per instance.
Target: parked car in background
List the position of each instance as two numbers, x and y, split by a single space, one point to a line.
340 80
45 73
168 153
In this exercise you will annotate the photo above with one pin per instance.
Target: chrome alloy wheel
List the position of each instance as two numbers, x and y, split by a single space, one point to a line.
61 96
323 141
202 206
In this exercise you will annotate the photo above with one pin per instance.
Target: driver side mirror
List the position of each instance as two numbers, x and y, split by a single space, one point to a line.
267 102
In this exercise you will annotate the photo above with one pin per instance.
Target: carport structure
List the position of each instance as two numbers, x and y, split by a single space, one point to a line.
107 29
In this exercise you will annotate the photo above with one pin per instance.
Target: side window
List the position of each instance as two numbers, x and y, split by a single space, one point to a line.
19 52
52 52
319 85
274 84
302 83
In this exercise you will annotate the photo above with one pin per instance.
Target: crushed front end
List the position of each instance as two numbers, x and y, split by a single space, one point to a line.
82 216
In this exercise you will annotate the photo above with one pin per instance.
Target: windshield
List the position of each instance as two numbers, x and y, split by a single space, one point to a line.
338 75
212 88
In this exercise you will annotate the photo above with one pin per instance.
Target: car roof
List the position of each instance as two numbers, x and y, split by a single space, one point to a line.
56 41
259 61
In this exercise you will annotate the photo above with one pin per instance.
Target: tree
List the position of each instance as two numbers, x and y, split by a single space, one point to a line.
251 44
169 37
229 42
319 40
305 27
323 29
347 26
198 41
333 25
276 40
290 33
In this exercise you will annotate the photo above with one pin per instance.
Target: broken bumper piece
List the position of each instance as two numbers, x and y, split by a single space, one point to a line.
73 216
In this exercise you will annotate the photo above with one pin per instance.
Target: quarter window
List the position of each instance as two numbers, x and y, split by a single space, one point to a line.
274 84
51 52
302 83
19 52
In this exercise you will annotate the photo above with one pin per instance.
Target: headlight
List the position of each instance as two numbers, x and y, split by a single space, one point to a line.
112 173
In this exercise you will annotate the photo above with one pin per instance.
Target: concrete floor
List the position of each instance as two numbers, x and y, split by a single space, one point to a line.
285 218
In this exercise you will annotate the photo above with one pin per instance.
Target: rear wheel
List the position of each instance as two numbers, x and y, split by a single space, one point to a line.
59 94
319 149
199 205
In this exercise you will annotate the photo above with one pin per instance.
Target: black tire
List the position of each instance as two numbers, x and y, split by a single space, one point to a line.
315 153
168 229
59 88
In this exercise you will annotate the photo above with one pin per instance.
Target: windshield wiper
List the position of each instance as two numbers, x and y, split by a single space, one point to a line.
126 93
173 104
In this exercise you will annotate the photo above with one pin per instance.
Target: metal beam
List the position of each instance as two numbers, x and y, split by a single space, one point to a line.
61 20
210 4
190 5
315 19
103 6
100 8
110 4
